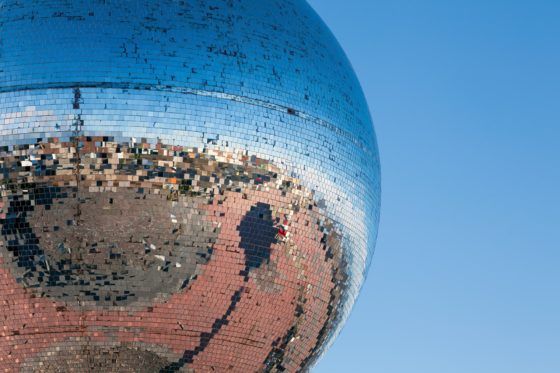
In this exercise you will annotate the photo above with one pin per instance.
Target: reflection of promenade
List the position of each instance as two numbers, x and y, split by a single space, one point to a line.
266 292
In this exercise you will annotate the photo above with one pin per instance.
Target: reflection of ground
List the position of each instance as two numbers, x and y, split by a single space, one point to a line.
123 246
217 258
91 357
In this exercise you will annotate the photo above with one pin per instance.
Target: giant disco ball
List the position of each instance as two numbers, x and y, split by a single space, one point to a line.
185 185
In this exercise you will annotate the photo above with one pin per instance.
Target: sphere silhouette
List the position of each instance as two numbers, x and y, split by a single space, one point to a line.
186 186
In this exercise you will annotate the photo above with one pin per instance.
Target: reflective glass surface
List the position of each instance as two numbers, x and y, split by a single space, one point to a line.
186 185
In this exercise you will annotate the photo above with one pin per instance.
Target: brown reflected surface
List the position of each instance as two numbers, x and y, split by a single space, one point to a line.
161 258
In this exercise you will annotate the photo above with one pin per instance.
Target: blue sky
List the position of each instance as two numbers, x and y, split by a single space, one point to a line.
465 96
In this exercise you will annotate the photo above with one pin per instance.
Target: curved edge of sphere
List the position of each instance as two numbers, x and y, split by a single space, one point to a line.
251 82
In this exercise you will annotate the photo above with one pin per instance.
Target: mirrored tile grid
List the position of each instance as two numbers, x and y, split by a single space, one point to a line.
185 186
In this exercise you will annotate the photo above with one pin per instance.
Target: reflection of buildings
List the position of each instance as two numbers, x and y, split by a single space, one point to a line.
197 205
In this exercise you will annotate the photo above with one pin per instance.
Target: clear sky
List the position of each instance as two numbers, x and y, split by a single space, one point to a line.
465 97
